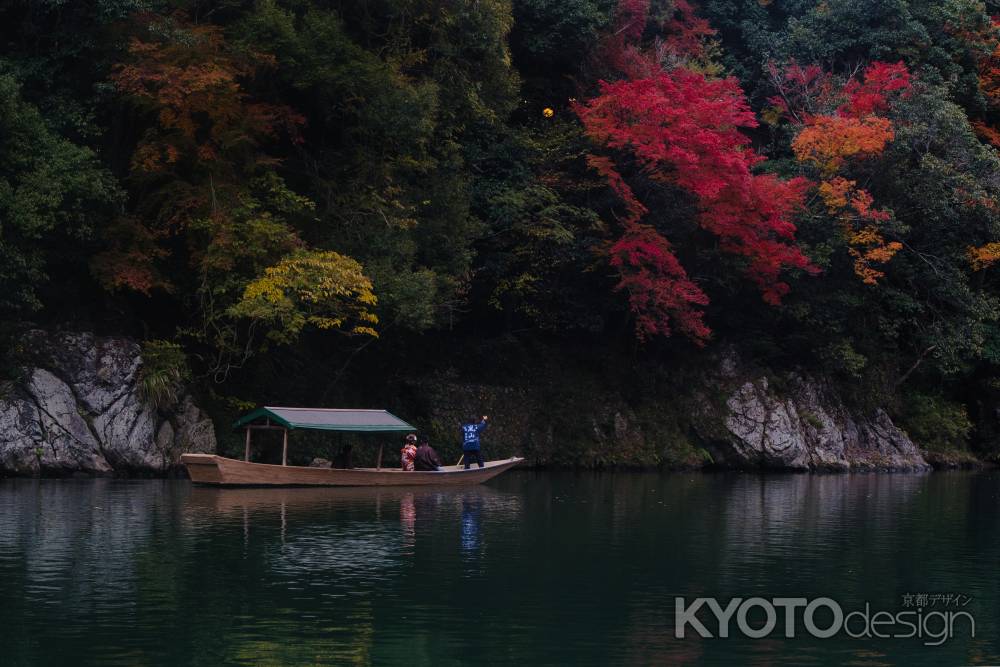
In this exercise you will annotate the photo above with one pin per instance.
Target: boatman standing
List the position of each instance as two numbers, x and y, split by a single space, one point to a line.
470 441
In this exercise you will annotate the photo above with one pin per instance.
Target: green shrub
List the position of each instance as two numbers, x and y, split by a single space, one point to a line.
935 423
812 420
163 374
842 357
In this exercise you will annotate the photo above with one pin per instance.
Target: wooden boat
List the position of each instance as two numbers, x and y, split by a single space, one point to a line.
221 471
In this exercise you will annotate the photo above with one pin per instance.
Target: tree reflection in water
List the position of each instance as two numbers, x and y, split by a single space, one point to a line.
124 573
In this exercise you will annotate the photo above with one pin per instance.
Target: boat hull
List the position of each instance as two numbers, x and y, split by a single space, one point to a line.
221 471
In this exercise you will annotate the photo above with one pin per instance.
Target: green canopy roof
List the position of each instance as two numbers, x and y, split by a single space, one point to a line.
328 419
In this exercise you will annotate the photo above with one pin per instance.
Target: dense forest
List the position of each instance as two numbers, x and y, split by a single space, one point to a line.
323 203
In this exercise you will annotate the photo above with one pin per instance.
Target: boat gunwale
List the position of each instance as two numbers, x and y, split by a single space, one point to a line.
493 463
419 477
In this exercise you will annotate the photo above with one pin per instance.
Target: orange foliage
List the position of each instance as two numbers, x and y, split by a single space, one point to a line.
984 256
828 141
835 193
987 42
843 197
831 137
194 86
201 145
986 132
129 260
989 67
853 207
861 201
869 246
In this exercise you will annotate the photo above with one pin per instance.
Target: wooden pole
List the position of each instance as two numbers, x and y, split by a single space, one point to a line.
378 463
284 448
246 456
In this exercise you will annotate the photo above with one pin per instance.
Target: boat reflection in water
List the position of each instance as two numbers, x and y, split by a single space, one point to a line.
471 511
353 531
319 499
408 518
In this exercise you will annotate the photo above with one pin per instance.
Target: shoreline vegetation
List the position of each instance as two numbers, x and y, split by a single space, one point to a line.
659 235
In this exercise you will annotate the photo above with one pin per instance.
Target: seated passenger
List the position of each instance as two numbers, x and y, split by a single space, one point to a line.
344 458
427 458
408 452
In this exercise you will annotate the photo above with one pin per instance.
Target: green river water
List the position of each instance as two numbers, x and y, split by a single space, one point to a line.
532 568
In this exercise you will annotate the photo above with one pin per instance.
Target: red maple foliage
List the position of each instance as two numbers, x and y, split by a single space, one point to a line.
870 94
805 92
989 65
605 166
683 128
658 287
622 50
630 20
619 50
802 90
687 32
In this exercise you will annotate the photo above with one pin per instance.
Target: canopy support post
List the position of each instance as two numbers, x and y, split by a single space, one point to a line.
378 463
246 455
284 448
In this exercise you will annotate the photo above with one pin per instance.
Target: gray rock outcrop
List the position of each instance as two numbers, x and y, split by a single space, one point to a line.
79 409
807 428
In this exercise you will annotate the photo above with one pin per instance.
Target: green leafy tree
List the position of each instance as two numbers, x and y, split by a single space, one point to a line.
54 196
400 96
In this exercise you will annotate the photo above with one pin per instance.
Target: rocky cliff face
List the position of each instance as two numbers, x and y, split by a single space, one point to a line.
804 427
733 416
79 410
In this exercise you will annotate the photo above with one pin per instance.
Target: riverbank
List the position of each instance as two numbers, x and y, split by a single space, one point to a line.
82 408
937 464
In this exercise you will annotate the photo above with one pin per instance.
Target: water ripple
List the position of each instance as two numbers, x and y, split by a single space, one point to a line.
535 568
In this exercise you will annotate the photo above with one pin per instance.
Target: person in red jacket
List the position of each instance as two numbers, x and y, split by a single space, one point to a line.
408 452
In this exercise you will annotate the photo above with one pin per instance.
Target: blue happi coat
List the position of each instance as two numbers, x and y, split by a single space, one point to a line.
470 436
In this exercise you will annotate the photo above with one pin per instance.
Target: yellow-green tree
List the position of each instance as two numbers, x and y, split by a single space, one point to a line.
325 290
